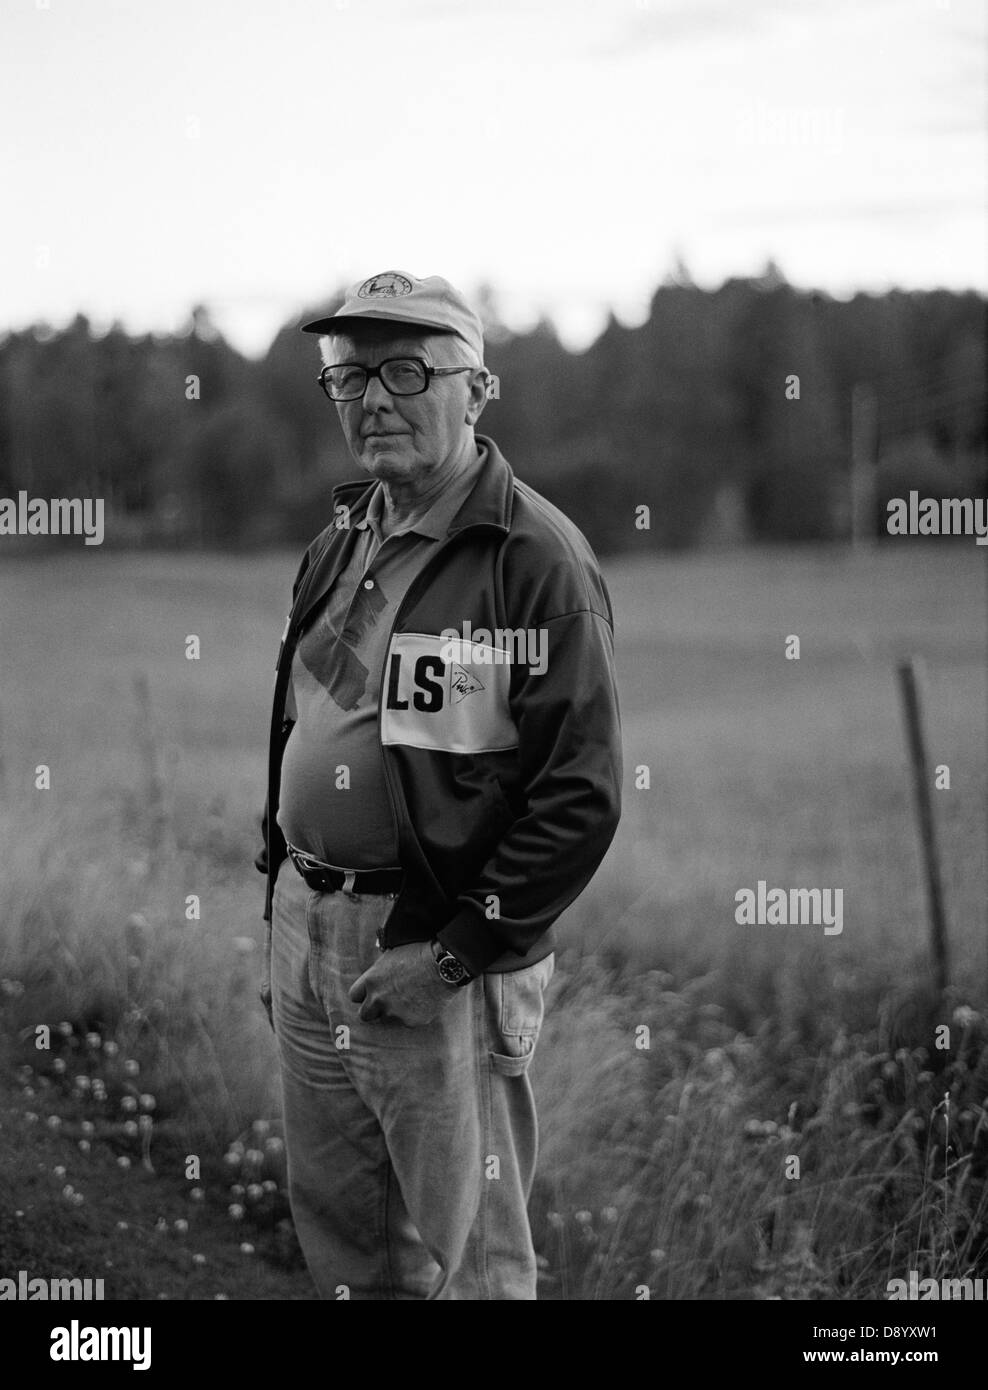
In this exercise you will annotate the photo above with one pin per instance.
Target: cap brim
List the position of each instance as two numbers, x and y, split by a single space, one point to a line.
336 322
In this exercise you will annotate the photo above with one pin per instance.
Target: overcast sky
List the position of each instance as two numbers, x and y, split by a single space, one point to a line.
255 154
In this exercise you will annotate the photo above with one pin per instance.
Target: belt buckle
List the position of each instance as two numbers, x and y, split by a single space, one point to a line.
349 879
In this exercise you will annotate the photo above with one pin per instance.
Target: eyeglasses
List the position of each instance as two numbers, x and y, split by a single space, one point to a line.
401 376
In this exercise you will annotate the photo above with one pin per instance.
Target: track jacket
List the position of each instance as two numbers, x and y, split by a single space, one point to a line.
505 784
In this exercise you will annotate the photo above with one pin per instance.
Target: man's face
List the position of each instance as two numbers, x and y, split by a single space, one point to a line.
398 438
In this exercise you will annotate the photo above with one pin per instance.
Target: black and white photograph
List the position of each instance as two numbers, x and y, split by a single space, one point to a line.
494 671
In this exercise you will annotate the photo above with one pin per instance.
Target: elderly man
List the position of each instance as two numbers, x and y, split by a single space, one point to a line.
444 779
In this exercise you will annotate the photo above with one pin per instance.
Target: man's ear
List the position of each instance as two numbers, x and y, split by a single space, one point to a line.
477 396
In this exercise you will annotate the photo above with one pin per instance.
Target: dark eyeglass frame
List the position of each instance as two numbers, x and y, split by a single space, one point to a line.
371 372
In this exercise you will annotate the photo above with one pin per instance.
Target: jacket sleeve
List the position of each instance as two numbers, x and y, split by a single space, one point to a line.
569 748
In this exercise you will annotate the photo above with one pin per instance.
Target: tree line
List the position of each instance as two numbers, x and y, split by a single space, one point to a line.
727 414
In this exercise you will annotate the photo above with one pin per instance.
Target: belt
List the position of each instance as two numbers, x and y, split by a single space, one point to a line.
325 878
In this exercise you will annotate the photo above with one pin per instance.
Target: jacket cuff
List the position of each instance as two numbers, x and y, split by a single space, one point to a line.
469 942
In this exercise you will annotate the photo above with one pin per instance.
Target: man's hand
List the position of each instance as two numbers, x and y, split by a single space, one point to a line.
403 984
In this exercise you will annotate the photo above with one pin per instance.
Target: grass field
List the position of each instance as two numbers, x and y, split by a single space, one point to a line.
667 1169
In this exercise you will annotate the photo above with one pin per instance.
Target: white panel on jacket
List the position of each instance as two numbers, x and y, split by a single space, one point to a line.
446 694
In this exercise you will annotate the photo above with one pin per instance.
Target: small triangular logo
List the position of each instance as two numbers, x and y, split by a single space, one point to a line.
462 683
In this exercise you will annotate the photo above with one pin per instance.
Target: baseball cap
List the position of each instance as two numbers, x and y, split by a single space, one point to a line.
396 296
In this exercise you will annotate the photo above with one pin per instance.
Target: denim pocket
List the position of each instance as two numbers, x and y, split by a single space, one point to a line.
515 1006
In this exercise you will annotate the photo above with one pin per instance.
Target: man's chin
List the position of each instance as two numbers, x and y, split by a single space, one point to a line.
385 460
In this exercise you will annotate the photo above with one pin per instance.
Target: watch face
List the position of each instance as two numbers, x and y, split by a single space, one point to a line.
451 970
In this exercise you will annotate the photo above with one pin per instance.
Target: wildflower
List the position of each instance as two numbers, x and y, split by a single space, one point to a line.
122 1226
269 1185
81 1083
77 1199
131 1066
255 1192
93 1039
235 1211
130 1128
68 1190
657 1256
161 1225
232 1160
261 1128
123 1161
53 1122
237 1190
59 1171
147 1102
198 1259
128 1103
196 1194
246 1248
58 1066
274 1145
30 1116
84 1146
609 1215
555 1219
65 1029
110 1047
181 1226
254 1158
13 989
221 1298
584 1218
88 1127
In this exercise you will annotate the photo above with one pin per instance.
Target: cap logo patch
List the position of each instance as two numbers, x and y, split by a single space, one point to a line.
388 286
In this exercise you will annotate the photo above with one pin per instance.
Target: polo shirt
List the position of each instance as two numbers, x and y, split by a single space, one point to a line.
334 800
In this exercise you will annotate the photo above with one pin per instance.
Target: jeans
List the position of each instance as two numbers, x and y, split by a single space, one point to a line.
411 1151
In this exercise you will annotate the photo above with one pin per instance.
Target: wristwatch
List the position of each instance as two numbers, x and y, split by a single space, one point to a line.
451 971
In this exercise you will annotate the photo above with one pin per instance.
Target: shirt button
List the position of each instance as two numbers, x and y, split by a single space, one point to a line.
368 583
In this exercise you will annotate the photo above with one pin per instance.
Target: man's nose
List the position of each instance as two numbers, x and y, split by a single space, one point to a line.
376 397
